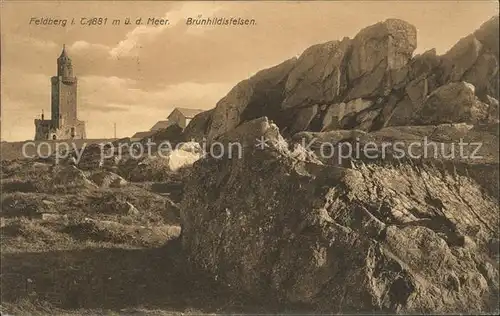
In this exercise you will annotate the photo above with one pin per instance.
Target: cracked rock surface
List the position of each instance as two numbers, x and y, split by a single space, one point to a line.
389 238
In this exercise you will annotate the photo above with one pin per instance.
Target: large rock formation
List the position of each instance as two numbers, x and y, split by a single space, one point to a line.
411 235
472 62
258 96
459 148
475 59
333 72
376 69
395 238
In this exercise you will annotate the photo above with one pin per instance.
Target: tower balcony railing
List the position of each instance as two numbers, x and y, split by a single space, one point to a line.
68 79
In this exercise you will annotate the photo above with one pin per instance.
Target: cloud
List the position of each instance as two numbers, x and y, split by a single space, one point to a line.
141 34
108 108
196 91
134 39
116 93
34 93
109 100
84 47
31 43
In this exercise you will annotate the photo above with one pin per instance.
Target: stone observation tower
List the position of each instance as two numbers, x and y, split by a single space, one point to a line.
64 123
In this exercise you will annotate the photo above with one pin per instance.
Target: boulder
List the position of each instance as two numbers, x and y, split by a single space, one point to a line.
319 75
331 116
154 168
198 127
461 57
484 74
163 164
131 209
403 112
303 118
171 134
70 177
487 34
374 239
424 64
335 114
452 103
356 106
376 52
192 147
365 120
493 109
106 179
417 90
475 59
185 156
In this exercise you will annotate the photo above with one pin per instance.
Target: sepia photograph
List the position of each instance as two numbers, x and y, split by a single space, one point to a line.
249 157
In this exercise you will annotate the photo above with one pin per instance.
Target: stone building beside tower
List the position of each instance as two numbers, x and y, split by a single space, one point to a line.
63 122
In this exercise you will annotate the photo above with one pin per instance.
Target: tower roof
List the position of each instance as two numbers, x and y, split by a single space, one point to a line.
64 65
64 54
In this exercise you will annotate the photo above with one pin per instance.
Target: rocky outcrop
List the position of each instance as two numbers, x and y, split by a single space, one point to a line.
411 234
376 66
478 59
492 109
379 56
319 75
171 134
106 179
261 95
303 119
473 61
334 72
393 238
185 155
338 116
461 57
66 178
471 151
423 65
198 127
487 35
452 103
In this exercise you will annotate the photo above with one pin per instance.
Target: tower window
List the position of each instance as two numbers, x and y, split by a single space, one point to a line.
54 137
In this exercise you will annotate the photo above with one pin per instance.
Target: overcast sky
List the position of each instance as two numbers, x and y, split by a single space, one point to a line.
135 75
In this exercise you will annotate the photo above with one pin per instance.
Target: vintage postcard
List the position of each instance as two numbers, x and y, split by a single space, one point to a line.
249 157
